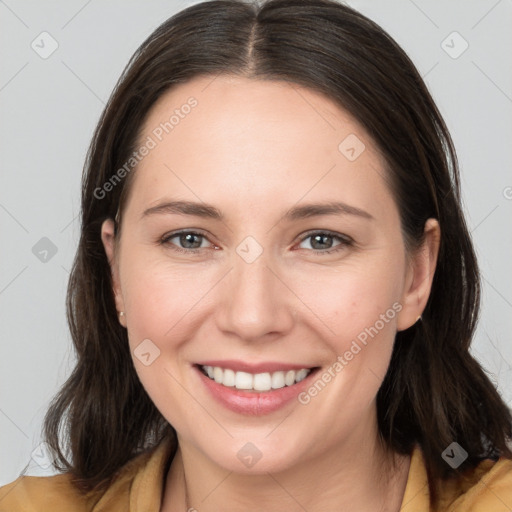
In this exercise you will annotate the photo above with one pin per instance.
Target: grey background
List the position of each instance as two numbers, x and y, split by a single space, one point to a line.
48 110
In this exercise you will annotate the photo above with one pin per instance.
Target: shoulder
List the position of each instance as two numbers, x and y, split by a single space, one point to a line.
486 488
58 493
38 493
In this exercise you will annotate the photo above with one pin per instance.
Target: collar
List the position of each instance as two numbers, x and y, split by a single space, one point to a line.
148 485
416 496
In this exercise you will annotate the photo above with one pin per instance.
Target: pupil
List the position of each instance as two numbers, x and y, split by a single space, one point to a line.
187 238
320 237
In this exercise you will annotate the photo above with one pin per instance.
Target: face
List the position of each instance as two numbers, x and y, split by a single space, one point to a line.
291 308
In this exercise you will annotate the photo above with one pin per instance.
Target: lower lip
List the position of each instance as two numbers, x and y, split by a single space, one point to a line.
252 402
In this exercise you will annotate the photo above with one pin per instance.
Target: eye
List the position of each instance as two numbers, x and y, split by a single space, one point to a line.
190 241
323 241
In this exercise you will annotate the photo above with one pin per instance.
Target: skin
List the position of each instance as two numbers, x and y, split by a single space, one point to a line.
254 149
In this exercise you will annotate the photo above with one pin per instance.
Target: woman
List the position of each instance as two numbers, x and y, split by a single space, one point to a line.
275 289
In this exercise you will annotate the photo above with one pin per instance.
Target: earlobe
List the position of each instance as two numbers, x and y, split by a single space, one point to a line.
108 239
420 275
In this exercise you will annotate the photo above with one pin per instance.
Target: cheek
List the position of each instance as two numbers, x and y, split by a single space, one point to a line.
161 303
158 295
351 300
358 309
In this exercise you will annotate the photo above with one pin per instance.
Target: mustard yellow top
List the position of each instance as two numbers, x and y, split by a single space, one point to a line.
139 487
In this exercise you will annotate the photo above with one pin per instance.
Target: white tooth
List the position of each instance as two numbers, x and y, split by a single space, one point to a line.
229 378
262 382
277 380
301 375
258 382
218 374
289 378
243 380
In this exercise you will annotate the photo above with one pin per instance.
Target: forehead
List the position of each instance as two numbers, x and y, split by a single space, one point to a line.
252 141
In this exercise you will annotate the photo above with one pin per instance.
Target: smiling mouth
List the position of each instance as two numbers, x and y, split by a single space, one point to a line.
257 382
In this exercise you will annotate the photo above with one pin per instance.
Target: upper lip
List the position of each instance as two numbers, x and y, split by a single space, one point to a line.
263 367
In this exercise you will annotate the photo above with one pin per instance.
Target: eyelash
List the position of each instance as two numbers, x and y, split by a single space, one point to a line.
345 241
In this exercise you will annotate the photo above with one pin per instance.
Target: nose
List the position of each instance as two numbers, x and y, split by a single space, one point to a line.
255 302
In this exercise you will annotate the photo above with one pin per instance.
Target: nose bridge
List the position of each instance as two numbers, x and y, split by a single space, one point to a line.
254 301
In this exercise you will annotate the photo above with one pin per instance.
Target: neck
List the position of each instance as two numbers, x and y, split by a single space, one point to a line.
357 475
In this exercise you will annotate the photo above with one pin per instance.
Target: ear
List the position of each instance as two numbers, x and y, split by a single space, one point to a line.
419 276
108 239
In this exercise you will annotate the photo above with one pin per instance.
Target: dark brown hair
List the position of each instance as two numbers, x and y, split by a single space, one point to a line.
434 392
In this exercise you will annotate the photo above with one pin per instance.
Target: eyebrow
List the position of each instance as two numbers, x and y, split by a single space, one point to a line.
304 211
